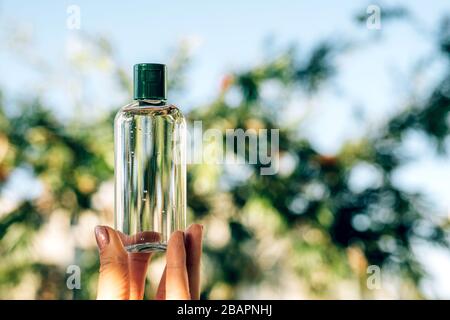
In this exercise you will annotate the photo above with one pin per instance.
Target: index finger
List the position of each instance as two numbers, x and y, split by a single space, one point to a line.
193 244
177 286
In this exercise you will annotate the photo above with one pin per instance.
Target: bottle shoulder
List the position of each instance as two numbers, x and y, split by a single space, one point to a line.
138 109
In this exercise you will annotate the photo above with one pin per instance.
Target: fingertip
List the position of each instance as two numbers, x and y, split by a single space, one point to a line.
193 237
176 237
101 236
109 241
176 254
195 231
195 227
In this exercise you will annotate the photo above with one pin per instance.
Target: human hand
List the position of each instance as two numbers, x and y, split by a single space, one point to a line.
122 274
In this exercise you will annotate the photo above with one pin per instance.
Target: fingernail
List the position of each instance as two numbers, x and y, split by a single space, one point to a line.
102 236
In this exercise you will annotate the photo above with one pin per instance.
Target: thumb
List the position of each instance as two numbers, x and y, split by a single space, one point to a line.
113 283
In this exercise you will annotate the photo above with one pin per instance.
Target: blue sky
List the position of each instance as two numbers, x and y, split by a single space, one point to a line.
231 35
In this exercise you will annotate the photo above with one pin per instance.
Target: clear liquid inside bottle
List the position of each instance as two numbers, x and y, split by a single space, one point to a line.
150 174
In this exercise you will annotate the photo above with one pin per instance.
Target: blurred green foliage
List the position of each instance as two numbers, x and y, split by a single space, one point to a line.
304 230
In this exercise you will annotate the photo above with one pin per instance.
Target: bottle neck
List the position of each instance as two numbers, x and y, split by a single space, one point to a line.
151 102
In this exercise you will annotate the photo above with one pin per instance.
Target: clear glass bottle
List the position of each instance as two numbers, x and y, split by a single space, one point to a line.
150 165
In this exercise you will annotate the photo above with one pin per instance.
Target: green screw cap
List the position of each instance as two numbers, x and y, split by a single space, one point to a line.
150 81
